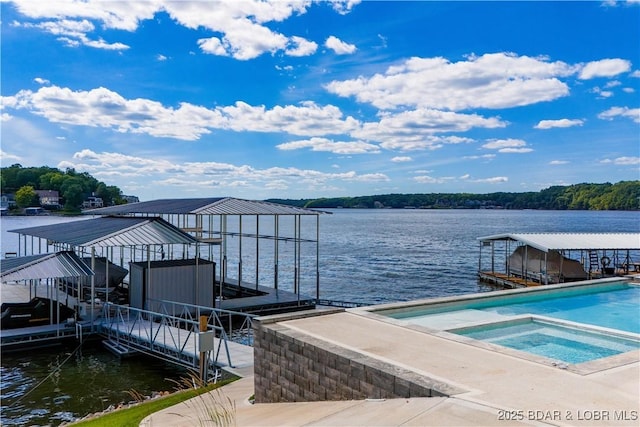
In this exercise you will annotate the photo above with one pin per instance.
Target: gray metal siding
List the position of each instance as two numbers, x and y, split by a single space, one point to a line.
136 286
173 281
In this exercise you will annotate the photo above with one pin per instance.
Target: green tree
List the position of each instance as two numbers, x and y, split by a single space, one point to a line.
73 193
26 196
52 180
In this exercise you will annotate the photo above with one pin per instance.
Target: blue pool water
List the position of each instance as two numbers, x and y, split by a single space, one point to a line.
614 306
570 345
614 309
500 320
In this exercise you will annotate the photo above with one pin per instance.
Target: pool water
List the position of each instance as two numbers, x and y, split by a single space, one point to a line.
554 341
501 320
609 306
615 309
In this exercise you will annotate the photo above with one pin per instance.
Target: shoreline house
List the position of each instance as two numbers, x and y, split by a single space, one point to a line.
49 198
93 202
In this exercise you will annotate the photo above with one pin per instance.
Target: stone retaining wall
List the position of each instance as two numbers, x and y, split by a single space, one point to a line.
290 366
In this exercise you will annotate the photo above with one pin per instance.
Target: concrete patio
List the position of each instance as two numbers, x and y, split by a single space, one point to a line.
497 389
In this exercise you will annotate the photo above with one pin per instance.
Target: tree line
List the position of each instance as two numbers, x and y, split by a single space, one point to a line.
72 187
624 195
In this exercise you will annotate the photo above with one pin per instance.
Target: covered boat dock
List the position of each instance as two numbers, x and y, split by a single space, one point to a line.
263 258
514 260
267 253
35 305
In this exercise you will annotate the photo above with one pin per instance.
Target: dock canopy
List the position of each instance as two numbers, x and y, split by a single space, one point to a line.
45 266
111 231
571 241
203 206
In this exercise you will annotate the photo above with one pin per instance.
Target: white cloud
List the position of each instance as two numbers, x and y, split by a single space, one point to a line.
101 107
492 180
482 157
4 156
417 129
401 159
200 176
426 179
561 123
623 161
338 46
41 81
336 147
507 146
604 68
161 58
614 112
239 26
301 47
558 162
343 6
107 109
602 94
499 80
635 74
74 33
213 46
308 119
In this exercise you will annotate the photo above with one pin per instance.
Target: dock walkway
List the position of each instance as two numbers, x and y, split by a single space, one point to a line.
178 344
173 339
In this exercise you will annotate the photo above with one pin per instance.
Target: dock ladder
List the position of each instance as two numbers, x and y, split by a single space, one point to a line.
594 262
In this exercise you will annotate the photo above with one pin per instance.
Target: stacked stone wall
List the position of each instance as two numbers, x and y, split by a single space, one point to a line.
290 366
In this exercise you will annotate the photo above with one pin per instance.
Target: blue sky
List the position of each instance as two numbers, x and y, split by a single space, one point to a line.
306 99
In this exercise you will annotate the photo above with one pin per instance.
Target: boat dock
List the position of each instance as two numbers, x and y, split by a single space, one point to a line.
505 281
264 300
517 260
186 250
36 336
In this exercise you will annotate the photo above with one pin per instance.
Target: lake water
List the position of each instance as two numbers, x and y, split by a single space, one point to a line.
377 256
368 256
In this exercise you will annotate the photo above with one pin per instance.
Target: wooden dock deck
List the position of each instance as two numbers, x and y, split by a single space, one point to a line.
506 281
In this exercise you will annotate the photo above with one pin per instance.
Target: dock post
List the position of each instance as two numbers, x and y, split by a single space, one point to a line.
203 354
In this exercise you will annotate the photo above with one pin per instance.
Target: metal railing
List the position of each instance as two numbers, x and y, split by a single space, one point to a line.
171 337
343 304
237 325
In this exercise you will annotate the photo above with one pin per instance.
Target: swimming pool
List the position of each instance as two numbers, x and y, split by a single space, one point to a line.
574 323
614 306
552 340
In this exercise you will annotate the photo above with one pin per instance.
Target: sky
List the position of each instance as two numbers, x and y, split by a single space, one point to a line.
308 99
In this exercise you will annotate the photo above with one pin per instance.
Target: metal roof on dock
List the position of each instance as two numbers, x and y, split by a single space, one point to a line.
111 232
203 206
44 266
572 241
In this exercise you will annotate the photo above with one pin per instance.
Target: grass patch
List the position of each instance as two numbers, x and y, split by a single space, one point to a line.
133 415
